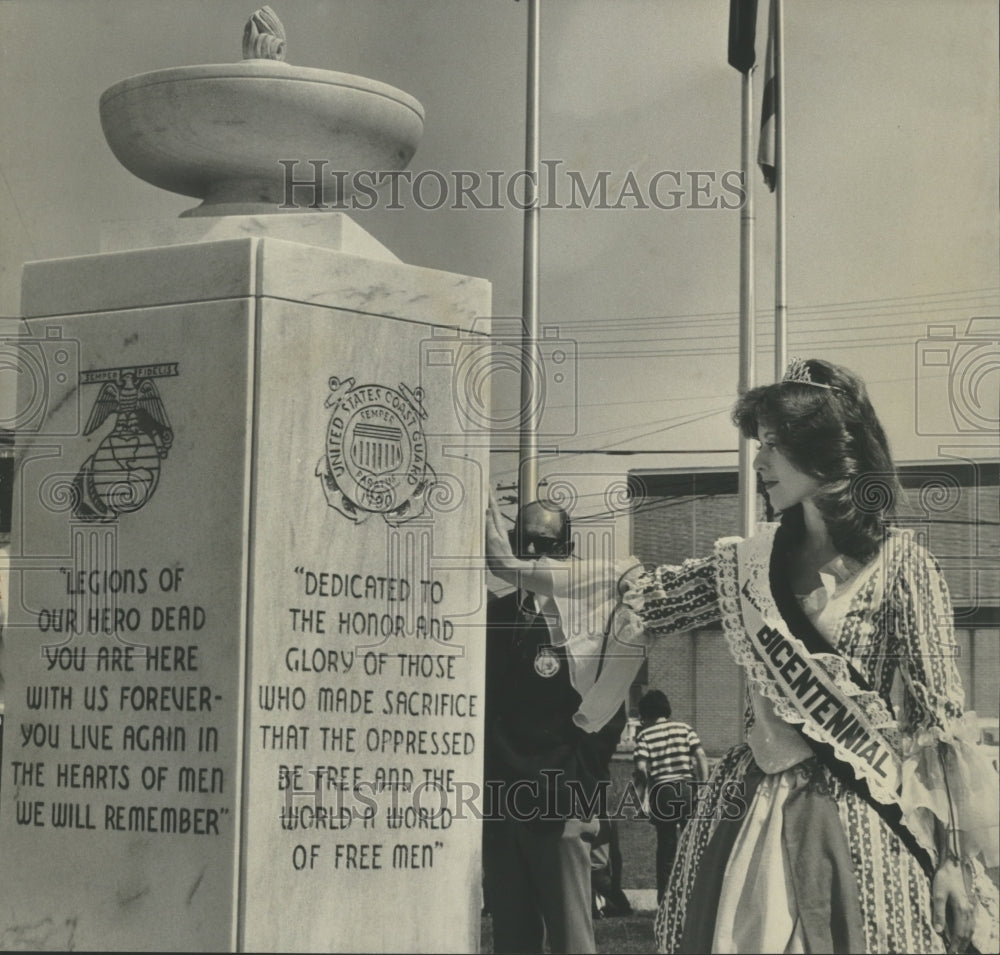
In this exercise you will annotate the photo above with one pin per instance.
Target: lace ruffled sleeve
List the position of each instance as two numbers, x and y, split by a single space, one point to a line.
672 598
947 777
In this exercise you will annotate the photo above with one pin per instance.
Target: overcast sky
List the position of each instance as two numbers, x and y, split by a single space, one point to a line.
892 125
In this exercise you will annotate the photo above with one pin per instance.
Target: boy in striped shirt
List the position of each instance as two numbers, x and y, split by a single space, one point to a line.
668 758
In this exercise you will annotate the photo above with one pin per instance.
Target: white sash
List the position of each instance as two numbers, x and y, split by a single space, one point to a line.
812 690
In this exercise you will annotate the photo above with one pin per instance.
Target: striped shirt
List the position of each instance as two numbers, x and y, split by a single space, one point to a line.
666 746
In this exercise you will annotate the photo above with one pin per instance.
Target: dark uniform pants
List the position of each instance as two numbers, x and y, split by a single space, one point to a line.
538 886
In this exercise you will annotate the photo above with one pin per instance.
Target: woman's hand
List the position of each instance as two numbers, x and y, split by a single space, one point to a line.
629 578
525 574
951 908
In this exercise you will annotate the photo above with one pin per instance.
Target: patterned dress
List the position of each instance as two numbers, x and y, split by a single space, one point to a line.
804 861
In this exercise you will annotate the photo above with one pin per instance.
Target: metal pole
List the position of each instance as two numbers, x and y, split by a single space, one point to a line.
748 345
527 488
780 282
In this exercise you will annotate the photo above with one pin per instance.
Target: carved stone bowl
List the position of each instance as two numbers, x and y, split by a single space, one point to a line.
218 132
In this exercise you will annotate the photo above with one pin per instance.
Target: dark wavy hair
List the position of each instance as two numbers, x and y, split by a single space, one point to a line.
833 435
653 705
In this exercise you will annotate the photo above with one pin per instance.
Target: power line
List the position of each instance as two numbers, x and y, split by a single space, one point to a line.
810 309
764 336
695 352
821 320
625 453
668 427
505 412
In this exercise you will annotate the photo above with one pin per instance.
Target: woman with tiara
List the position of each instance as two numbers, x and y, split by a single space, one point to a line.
840 825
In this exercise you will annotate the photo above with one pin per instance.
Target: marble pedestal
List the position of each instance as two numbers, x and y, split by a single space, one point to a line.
243 665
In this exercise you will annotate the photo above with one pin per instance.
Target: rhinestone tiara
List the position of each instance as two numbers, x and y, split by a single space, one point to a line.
798 372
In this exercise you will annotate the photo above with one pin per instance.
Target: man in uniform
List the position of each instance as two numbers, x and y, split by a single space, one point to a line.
539 762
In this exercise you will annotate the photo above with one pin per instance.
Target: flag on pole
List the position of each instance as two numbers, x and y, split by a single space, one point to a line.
742 33
768 119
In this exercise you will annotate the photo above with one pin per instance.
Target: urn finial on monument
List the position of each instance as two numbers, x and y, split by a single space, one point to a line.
226 133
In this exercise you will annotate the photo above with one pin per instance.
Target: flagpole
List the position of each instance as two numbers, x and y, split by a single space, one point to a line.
742 55
748 346
780 277
527 485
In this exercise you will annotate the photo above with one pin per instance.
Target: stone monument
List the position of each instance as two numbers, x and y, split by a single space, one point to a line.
243 664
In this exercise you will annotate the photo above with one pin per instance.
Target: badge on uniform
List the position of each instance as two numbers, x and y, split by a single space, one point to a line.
546 662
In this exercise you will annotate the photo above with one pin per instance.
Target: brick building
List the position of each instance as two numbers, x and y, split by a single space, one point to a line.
954 507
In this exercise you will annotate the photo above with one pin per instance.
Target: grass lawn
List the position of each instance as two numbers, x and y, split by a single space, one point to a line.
628 935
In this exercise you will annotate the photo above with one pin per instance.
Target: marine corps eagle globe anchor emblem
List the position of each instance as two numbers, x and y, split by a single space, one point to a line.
122 474
375 460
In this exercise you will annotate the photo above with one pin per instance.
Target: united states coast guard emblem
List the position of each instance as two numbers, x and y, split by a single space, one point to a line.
375 461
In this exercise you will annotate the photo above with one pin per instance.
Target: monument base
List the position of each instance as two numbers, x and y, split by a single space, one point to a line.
244 658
